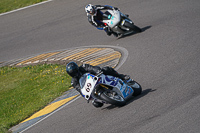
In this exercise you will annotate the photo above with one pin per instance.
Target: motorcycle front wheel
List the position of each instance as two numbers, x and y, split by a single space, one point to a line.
132 27
137 89
113 99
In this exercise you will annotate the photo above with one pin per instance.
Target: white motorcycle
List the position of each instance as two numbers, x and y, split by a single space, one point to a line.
108 89
119 22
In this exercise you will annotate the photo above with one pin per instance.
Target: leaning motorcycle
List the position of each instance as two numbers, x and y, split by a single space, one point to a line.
106 89
119 22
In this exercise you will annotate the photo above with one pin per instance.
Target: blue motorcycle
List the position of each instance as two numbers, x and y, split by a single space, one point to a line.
108 89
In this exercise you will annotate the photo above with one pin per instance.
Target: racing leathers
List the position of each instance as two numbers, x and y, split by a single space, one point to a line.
96 19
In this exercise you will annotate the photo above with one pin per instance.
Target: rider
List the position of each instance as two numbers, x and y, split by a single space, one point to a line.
95 16
76 72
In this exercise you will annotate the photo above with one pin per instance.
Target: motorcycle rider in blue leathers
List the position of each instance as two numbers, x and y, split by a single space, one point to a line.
76 72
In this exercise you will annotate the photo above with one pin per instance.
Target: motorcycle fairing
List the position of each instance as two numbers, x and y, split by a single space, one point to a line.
113 19
126 90
116 83
88 86
108 80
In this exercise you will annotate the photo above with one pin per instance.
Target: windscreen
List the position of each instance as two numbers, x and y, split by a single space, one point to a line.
82 80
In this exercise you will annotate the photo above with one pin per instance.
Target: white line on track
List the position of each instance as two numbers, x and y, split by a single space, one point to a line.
51 114
25 7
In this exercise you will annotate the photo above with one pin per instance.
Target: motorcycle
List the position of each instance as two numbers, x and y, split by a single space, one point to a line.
119 22
106 89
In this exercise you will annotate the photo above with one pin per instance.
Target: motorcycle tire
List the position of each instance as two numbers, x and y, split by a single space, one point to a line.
137 90
132 27
117 102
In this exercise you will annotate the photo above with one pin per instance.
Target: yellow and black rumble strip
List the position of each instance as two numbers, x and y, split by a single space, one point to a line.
93 56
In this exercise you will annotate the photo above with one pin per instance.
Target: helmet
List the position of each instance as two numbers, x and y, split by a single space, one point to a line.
72 69
90 9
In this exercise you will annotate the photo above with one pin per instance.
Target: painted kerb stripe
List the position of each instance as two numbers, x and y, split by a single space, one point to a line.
50 108
93 56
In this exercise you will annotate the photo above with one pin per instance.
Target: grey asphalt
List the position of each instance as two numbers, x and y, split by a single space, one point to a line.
164 59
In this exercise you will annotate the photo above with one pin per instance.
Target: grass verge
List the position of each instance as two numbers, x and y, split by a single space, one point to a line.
25 90
9 5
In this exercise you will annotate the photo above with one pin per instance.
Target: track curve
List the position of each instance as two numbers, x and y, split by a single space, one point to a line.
164 59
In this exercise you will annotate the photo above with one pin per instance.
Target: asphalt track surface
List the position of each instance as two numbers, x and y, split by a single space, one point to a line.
164 59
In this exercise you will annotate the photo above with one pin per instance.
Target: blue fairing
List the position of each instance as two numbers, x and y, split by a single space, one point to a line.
112 81
109 6
90 75
126 91
100 28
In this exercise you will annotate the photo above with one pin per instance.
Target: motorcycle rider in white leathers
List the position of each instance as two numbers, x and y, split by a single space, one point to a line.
95 16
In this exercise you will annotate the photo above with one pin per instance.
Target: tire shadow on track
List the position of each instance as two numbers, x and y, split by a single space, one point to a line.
133 33
144 93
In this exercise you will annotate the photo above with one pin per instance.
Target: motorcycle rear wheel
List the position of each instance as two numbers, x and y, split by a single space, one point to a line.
116 100
132 27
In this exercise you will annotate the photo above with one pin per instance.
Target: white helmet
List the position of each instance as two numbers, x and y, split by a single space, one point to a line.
90 9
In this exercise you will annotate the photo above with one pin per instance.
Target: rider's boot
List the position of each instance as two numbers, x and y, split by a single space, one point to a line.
115 34
109 33
97 104
107 30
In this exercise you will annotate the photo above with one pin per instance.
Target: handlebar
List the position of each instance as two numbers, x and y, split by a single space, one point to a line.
99 73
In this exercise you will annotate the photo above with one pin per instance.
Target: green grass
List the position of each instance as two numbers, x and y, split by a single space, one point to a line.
25 90
9 5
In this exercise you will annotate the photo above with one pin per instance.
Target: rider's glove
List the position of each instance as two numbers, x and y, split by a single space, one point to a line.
99 72
115 8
